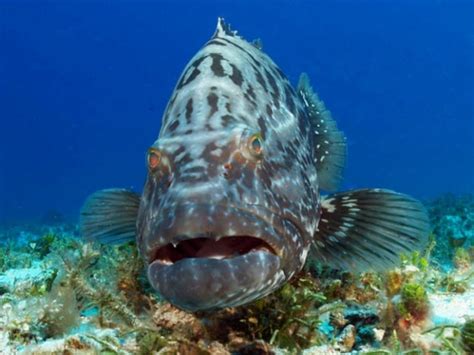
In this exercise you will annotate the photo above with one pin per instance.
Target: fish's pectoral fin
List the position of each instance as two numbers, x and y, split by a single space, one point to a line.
369 229
330 143
110 216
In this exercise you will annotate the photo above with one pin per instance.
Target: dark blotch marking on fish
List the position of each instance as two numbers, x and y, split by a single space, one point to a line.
195 178
172 127
216 66
194 170
180 150
212 100
227 120
189 110
302 121
260 78
236 76
280 146
289 99
185 159
214 168
243 119
193 76
262 126
250 96
216 42
251 92
269 111
195 72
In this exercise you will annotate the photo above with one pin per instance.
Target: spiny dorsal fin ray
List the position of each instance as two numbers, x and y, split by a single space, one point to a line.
330 143
109 216
223 29
369 229
257 43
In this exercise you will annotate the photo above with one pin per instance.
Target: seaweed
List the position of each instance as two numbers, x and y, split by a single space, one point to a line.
288 318
461 259
467 336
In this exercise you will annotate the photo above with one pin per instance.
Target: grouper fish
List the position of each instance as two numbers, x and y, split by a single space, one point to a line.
232 204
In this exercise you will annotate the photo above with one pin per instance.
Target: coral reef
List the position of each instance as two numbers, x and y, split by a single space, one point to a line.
59 294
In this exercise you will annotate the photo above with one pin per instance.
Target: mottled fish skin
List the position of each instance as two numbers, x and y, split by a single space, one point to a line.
210 184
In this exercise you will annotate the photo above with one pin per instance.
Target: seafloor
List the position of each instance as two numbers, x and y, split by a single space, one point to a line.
61 295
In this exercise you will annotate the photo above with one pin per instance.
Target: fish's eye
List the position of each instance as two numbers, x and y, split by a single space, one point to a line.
255 145
153 159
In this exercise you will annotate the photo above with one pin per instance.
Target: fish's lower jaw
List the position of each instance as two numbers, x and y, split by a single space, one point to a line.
197 284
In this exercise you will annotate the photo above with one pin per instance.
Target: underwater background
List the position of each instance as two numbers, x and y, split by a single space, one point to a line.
83 86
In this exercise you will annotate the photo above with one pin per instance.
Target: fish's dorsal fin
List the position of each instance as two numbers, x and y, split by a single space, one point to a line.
110 216
223 29
368 229
257 43
330 143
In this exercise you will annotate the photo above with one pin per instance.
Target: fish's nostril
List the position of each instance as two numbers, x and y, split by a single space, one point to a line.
227 170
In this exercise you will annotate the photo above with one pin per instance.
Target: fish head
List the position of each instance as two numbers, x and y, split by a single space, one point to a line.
227 212
211 227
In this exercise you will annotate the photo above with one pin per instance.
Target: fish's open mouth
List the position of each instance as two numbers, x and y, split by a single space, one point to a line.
224 248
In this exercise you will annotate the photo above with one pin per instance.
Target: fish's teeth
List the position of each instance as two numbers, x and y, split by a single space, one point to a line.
262 248
217 257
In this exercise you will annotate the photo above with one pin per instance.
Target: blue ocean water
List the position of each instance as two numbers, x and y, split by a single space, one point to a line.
83 85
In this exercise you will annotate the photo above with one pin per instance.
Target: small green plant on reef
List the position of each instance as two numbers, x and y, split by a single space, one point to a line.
3 258
461 260
393 282
45 243
130 282
149 341
467 336
452 342
414 304
416 259
288 318
451 284
106 298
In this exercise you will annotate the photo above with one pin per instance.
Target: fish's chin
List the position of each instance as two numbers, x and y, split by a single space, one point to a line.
205 274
